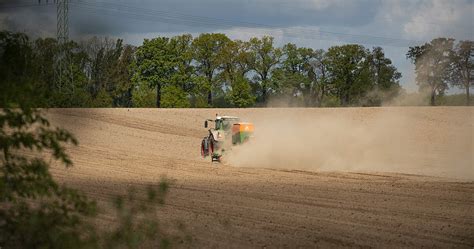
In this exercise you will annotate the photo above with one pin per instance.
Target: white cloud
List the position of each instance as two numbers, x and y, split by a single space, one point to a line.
428 19
437 17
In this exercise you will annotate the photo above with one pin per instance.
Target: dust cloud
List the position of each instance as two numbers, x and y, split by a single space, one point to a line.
426 141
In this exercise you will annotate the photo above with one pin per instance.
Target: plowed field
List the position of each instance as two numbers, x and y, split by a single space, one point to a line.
348 177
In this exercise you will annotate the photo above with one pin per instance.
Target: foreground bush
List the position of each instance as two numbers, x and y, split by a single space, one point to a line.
37 212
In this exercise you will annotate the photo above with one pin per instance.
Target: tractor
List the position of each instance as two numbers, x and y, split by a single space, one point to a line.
227 132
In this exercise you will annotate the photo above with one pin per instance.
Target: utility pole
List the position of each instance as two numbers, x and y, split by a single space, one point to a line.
63 68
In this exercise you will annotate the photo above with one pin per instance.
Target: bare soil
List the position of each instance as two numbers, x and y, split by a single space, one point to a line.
409 184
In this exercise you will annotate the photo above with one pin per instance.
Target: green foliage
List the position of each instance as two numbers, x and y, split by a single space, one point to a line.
37 212
121 89
300 78
163 62
202 72
236 60
97 66
208 50
153 64
349 72
143 96
331 101
199 96
174 97
102 99
385 79
385 75
361 77
241 93
16 85
265 57
106 63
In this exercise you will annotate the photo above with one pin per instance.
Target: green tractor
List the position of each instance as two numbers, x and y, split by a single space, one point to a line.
228 131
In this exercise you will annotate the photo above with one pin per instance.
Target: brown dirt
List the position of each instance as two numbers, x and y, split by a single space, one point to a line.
335 192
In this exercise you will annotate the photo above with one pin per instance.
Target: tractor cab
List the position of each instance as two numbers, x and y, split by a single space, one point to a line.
223 123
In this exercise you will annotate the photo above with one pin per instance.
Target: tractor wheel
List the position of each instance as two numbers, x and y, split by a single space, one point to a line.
202 150
211 146
205 147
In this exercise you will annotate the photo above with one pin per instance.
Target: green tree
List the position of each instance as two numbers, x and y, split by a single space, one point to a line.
27 73
287 78
385 74
236 59
385 78
317 72
15 69
266 58
122 84
349 72
462 72
174 97
45 51
102 99
432 66
199 94
163 62
153 65
240 95
107 68
183 79
143 96
298 75
208 48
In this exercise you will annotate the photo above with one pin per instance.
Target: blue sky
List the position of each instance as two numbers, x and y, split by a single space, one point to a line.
391 24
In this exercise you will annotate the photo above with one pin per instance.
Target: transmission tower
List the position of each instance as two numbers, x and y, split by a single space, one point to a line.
62 21
63 67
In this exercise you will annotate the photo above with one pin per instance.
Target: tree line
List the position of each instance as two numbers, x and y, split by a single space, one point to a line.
212 70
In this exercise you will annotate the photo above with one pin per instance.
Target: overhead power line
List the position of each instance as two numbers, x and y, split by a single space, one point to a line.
127 11
119 10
